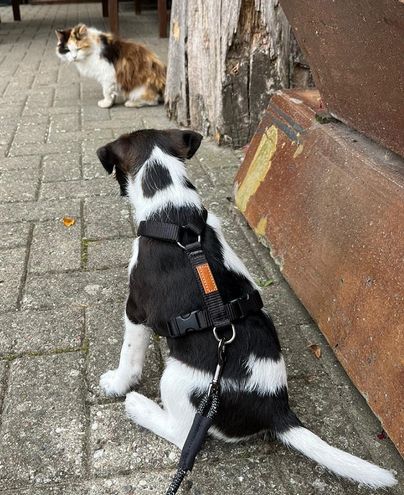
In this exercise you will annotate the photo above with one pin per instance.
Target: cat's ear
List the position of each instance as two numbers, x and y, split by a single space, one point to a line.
82 30
62 34
107 157
185 143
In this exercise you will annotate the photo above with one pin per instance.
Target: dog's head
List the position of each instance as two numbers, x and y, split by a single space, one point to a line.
127 154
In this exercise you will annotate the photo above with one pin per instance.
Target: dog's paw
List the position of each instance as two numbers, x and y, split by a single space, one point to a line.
105 103
138 407
114 384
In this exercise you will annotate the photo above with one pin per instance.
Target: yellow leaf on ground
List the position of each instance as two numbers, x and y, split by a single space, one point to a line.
316 350
68 221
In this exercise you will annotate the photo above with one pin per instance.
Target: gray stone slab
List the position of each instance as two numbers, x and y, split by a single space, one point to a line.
3 374
14 235
40 211
94 141
44 148
55 247
17 190
94 169
30 165
9 293
75 289
78 189
109 253
43 423
61 167
41 331
105 329
117 445
107 217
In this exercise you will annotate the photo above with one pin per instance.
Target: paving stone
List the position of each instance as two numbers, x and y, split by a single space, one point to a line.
117 445
40 211
3 373
55 247
9 293
41 331
107 218
78 189
13 235
61 167
43 420
17 190
75 288
109 253
44 148
105 329
90 145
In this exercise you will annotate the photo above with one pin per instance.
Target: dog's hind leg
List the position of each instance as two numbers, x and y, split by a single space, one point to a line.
174 420
136 340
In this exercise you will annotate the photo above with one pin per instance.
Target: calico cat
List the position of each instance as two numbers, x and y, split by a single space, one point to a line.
122 67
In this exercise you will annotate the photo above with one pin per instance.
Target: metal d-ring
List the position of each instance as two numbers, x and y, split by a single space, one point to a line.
226 342
183 247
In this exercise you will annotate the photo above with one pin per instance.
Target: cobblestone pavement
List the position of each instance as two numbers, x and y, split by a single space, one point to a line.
62 291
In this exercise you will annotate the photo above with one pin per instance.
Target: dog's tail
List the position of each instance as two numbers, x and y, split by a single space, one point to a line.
336 460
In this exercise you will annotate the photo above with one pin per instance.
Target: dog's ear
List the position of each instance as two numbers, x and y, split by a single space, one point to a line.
185 143
107 157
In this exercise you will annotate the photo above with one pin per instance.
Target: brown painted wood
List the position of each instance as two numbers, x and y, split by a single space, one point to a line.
104 8
113 6
138 7
163 18
16 10
330 204
356 54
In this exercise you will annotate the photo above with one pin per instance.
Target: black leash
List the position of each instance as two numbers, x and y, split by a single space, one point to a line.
216 315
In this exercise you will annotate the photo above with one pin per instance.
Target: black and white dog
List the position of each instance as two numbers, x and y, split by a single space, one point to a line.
149 166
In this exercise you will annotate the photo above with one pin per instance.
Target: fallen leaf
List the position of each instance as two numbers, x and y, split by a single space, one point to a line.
316 350
265 283
68 221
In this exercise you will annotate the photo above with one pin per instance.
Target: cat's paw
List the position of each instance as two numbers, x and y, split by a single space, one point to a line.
105 103
114 383
133 103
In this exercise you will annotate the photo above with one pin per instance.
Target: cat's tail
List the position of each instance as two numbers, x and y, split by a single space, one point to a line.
336 460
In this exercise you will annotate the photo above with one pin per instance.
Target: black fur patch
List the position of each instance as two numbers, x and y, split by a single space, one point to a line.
155 178
109 50
62 43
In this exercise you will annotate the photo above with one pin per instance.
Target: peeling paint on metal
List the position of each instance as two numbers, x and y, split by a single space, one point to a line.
261 227
298 151
258 169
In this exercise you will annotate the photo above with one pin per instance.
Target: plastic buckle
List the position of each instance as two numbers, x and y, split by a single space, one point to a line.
183 324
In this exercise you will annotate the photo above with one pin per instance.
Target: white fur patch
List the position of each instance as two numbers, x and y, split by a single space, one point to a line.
267 375
175 194
230 258
135 254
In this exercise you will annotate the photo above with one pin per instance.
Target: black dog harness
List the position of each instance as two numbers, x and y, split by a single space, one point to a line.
216 315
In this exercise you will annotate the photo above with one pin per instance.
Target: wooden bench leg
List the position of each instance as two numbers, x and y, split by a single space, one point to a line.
138 7
163 18
113 16
16 10
104 8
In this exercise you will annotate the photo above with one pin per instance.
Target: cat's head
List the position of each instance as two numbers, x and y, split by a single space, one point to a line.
126 155
74 44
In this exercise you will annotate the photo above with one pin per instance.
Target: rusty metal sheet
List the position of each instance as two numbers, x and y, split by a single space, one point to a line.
356 54
329 204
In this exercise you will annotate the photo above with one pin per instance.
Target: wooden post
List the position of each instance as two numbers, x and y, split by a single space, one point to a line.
163 17
16 10
113 16
225 60
104 8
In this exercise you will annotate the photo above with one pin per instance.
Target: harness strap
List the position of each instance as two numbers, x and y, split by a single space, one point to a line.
201 319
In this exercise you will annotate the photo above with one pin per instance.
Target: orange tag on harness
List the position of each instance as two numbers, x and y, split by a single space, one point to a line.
206 277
